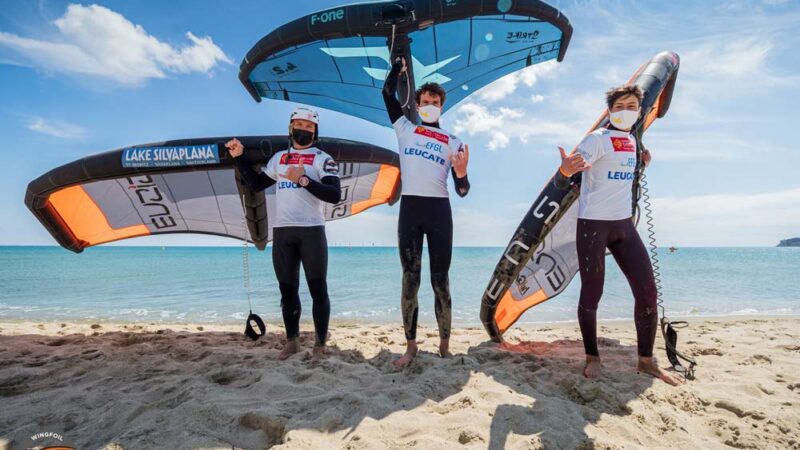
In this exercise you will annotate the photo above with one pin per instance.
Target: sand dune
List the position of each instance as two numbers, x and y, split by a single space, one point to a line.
118 386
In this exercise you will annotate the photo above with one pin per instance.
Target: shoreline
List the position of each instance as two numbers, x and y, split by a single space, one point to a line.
18 324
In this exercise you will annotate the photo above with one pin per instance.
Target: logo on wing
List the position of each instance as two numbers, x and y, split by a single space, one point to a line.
513 37
422 73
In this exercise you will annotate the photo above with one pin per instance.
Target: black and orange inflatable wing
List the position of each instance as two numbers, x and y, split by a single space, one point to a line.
191 186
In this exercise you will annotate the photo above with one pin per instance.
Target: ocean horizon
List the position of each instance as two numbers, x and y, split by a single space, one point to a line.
204 285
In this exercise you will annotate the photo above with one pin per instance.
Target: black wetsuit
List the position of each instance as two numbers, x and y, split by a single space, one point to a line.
422 216
292 245
622 239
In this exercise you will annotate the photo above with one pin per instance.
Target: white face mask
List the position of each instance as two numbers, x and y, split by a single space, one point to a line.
430 113
624 119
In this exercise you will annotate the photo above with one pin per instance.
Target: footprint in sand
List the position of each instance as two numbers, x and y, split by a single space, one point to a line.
710 351
91 354
223 377
302 376
756 360
738 410
668 423
15 385
467 436
273 427
765 389
461 403
62 341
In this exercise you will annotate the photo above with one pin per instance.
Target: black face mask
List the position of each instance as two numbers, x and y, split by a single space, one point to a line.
302 137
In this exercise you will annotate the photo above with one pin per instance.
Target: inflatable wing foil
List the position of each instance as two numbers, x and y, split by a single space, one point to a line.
339 58
541 258
191 186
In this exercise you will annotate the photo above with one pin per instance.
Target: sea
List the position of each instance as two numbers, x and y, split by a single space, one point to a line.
206 285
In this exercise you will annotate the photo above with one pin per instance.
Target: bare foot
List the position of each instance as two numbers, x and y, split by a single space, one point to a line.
592 368
648 365
290 349
444 348
405 360
318 352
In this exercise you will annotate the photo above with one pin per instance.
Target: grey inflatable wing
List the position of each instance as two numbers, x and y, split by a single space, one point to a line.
190 186
541 258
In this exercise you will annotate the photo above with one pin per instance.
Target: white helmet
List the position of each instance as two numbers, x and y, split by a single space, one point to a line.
305 114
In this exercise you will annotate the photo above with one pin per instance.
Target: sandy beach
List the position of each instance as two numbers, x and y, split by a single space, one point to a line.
143 386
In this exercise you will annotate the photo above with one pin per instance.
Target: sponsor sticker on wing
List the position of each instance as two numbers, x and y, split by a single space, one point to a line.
179 156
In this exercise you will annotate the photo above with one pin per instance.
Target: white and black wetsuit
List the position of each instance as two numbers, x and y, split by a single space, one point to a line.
299 230
425 152
605 222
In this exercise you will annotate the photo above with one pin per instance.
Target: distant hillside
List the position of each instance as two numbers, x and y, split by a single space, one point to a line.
793 242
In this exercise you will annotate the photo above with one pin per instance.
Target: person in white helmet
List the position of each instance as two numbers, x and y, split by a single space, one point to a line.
306 179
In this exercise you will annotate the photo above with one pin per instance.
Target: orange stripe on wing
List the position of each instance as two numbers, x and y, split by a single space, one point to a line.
509 310
382 190
654 111
86 220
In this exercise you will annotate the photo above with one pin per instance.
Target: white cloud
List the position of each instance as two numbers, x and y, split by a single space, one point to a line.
11 62
695 144
728 219
98 42
537 98
740 58
506 86
473 119
611 75
62 130
500 125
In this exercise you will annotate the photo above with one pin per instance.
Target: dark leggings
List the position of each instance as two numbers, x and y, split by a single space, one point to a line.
622 239
420 217
290 247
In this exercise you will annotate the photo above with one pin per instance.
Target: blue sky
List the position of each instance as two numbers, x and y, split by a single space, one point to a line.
78 79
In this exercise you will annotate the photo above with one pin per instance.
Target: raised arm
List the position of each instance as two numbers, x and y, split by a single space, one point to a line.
393 106
256 181
462 184
458 167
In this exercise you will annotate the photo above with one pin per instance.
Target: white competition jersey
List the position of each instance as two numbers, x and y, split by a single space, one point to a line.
424 158
606 188
294 205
